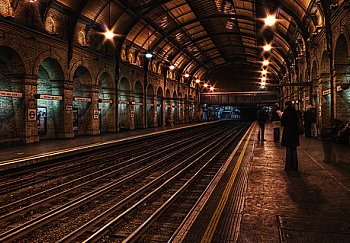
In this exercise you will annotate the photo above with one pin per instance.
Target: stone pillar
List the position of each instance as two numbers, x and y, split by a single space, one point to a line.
132 111
93 127
30 104
155 116
66 128
111 126
164 113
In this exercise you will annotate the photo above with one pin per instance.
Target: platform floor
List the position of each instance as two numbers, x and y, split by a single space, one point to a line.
267 204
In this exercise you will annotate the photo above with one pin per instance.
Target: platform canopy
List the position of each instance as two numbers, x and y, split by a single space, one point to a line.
220 40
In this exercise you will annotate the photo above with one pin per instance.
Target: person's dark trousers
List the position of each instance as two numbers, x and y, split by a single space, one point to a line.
291 159
276 134
261 131
307 130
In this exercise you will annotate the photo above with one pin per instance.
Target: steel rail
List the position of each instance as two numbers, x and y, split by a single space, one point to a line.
43 219
205 150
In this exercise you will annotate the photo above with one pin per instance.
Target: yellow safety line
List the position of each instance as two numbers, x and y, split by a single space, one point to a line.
209 233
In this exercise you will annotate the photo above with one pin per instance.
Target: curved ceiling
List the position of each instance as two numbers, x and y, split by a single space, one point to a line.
205 37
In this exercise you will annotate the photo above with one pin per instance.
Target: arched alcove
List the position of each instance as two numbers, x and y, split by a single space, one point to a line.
124 104
12 119
82 83
106 99
49 105
342 71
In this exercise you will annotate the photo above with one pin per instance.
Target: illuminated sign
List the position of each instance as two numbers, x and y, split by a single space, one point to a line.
326 92
48 97
125 102
4 93
136 103
80 99
105 101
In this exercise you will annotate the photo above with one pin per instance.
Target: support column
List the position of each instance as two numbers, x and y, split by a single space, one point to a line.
94 127
132 111
30 104
67 108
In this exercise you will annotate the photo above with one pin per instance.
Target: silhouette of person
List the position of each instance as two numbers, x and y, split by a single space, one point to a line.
290 136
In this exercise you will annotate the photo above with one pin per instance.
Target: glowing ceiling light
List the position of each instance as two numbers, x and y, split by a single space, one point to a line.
270 20
263 83
187 75
32 1
198 80
149 55
264 72
172 67
205 85
212 88
263 79
267 47
109 34
266 62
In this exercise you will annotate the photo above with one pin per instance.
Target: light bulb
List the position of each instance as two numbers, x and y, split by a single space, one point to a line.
172 67
198 80
212 88
149 55
187 75
266 62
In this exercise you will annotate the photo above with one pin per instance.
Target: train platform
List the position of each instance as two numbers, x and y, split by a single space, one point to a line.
22 155
255 200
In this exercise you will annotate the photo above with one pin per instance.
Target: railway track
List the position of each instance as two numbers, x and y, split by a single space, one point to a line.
97 199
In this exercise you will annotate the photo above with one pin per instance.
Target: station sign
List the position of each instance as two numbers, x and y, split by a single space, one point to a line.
31 114
150 104
69 107
4 93
136 103
326 92
106 101
124 102
81 99
47 97
339 88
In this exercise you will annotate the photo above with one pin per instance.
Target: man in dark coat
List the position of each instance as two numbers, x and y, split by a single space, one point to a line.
261 117
290 136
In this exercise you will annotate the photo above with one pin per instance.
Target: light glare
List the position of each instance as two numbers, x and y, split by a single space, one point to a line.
172 67
266 62
187 75
149 55
270 20
267 47
212 88
109 34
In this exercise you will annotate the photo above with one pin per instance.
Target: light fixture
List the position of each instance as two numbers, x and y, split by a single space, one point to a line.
264 72
267 47
270 20
205 85
172 67
32 1
149 55
211 88
109 34
198 80
263 83
187 75
263 79
266 62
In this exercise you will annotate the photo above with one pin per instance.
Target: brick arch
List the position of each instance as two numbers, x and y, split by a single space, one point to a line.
341 45
137 82
124 78
102 72
48 54
20 51
345 31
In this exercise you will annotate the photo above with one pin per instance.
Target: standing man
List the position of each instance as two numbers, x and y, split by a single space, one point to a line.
276 122
261 117
290 137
